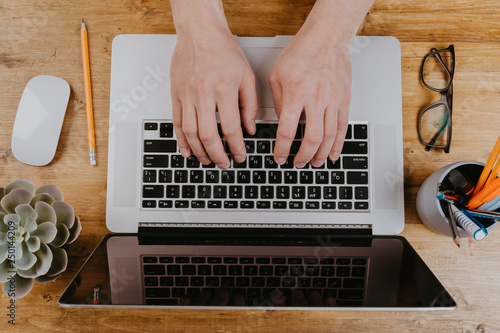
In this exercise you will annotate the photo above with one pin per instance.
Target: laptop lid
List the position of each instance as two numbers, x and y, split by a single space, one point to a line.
140 92
359 272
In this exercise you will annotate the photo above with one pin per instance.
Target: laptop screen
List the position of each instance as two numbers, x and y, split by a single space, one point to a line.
301 272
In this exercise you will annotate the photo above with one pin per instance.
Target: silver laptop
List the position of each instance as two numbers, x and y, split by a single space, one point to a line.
264 232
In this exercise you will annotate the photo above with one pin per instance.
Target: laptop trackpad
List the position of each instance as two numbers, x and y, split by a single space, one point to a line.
125 167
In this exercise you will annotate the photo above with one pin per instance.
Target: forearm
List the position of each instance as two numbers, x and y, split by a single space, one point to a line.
335 22
198 16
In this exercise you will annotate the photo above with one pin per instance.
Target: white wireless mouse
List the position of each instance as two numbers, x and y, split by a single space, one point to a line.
39 120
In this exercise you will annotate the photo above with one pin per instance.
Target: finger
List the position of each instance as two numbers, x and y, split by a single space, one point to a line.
330 132
177 121
287 127
278 298
190 130
298 298
277 92
342 124
313 136
186 301
203 298
314 299
238 299
209 135
249 103
221 297
231 125
330 301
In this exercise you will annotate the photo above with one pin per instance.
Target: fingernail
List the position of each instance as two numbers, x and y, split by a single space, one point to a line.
300 165
334 156
222 166
280 160
239 158
205 160
317 163
185 152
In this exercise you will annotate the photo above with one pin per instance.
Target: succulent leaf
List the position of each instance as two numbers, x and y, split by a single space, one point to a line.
12 220
30 225
74 232
27 259
5 271
61 237
20 184
64 212
25 211
46 231
33 244
44 256
16 197
28 273
45 213
59 261
52 190
45 197
45 278
21 286
4 248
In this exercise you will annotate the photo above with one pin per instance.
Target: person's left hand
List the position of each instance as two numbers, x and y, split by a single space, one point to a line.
311 78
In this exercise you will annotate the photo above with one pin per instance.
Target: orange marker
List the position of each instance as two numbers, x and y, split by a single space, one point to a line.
487 194
487 168
88 93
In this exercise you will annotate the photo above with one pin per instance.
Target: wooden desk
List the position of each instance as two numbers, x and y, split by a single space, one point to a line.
43 37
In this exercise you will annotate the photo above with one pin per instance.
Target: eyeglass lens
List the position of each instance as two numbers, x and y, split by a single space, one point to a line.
434 125
434 73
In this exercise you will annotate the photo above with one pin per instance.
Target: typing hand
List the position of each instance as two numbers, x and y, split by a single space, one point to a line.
210 73
315 80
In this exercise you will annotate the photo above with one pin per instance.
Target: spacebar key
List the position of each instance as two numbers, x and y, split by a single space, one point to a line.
160 146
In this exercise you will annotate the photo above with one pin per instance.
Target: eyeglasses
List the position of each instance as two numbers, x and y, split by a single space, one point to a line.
434 122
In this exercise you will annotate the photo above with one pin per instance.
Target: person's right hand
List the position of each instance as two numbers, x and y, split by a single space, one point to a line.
208 73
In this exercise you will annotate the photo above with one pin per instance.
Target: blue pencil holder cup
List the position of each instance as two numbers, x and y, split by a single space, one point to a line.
431 210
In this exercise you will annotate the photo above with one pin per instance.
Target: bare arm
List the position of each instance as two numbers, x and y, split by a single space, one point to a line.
313 76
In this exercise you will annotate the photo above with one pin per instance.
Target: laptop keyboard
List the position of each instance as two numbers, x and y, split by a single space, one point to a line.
170 181
260 280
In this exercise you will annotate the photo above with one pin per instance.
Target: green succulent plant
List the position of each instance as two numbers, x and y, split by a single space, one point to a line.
35 226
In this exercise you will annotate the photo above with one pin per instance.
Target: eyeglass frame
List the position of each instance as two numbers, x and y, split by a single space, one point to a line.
446 99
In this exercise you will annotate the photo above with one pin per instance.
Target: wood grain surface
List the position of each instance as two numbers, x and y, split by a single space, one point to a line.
43 37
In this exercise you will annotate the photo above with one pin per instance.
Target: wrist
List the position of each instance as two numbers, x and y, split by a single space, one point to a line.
192 18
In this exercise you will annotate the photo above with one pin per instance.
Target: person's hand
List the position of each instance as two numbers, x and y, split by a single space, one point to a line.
208 73
313 79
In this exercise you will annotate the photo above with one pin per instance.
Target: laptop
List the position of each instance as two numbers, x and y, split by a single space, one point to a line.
264 233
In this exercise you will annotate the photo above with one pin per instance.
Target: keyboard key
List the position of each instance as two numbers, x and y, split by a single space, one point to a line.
259 177
180 176
153 191
333 165
273 282
197 281
263 204
288 164
188 269
165 176
263 147
241 165
230 260
214 260
358 271
176 161
298 192
250 146
204 191
343 271
156 161
306 177
351 293
279 204
250 270
291 177
282 192
361 192
243 281
178 292
328 271
192 162
149 176
160 146
358 261
361 205
198 260
212 176
345 192
329 192
355 148
204 270
266 270
220 192
243 177
181 204
188 191
166 281
312 270
360 131
158 292
269 162
296 205
266 131
209 166
227 281
345 205
254 292
212 281
166 260
255 162
197 204
337 177
247 204
294 148
358 162
150 126
322 177
267 192
357 177
312 204
196 176
288 282
166 130
313 192
348 135
235 192
251 192
274 177
220 269
328 205
318 282
230 204
151 281
334 282
150 260
214 204
227 177
354 283
154 269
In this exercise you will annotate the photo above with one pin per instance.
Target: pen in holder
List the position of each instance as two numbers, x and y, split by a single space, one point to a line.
434 212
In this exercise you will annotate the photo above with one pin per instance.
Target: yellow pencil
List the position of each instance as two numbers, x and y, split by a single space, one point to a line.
487 168
88 93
